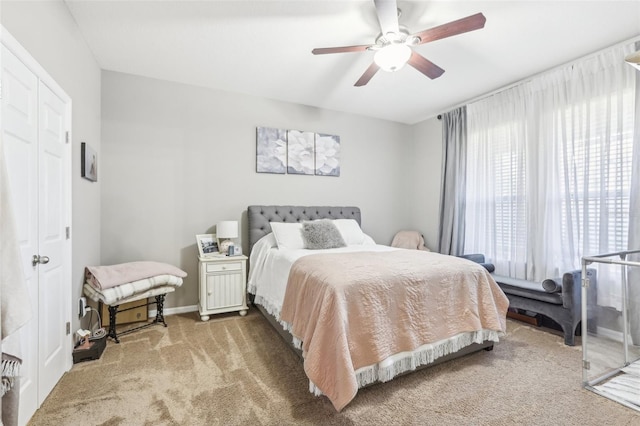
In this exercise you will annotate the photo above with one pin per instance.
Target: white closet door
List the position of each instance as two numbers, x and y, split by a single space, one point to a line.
52 240
34 123
20 134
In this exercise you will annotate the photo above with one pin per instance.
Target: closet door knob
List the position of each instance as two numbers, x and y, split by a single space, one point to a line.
39 259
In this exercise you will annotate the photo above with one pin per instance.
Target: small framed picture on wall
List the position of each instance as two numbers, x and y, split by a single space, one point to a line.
89 163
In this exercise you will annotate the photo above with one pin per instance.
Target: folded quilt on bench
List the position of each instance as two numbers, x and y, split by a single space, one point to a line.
105 277
118 294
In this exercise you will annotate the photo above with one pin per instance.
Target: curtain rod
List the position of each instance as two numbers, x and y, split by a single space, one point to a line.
528 79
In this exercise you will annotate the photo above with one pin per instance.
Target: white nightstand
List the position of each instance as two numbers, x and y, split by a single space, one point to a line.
223 285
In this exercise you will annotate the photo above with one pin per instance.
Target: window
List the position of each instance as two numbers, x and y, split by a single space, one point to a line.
598 172
549 169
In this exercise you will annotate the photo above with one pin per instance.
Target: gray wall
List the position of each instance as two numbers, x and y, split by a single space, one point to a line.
47 30
176 159
425 163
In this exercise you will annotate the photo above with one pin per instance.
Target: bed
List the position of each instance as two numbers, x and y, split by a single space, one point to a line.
361 313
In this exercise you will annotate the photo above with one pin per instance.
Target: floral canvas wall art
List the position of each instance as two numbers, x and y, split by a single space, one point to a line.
297 152
271 150
327 161
300 150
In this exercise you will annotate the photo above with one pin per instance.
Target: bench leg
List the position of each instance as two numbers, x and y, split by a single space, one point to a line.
160 309
569 334
113 310
112 320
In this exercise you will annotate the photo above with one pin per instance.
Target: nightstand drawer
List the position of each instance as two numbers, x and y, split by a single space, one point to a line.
236 266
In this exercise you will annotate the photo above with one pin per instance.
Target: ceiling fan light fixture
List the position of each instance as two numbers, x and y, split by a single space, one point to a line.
393 47
392 57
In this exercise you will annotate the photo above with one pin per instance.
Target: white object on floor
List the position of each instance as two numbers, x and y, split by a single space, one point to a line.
626 385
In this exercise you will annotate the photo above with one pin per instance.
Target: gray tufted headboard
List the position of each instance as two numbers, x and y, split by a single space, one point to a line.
260 216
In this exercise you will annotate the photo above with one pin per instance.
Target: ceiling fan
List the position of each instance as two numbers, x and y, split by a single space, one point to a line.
393 46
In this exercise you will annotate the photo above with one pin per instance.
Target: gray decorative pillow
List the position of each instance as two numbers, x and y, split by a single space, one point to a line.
321 234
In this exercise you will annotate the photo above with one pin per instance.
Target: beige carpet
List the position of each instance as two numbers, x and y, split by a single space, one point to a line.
237 371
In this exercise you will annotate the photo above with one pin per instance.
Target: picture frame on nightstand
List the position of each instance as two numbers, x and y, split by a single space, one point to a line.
207 245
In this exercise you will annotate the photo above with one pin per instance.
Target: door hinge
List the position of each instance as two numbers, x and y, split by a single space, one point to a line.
67 136
67 231
68 328
586 365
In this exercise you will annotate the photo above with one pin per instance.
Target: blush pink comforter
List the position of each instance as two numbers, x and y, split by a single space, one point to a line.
352 310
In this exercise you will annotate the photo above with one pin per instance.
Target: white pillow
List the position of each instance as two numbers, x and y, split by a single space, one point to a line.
350 231
288 235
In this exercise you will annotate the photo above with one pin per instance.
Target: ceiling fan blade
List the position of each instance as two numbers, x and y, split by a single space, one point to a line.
343 49
387 11
370 72
425 66
470 23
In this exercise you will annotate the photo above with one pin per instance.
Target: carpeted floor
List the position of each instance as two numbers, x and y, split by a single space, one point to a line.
236 370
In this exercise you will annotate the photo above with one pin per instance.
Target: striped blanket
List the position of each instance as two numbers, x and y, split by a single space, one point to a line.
108 276
112 295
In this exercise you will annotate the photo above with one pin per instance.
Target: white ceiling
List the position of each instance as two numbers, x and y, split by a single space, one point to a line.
263 48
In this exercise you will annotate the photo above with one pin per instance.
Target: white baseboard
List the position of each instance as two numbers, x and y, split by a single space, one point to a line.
606 332
174 311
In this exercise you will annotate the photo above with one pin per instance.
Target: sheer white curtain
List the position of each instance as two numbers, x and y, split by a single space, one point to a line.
552 164
495 198
633 273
